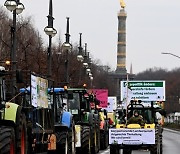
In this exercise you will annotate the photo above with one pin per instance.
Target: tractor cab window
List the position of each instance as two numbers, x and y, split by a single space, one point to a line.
59 101
74 101
85 103
148 116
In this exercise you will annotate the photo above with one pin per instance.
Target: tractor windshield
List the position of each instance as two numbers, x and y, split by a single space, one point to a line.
74 102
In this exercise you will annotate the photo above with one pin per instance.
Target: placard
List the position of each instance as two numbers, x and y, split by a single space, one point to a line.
132 136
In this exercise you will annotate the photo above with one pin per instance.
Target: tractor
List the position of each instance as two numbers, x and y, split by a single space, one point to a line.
145 133
13 126
86 121
50 129
102 117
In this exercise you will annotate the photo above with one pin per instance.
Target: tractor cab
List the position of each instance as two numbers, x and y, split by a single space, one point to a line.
147 112
78 104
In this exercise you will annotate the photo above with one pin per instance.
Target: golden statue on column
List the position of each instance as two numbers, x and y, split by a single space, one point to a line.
122 3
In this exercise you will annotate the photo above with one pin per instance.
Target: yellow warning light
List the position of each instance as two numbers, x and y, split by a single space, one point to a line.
7 62
84 85
65 87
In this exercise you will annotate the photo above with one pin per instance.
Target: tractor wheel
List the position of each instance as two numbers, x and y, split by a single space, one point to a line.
153 150
21 135
95 146
7 140
126 151
157 148
62 142
103 139
114 149
71 141
161 147
85 140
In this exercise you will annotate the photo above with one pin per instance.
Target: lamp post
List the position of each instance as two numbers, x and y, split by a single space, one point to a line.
89 71
80 54
80 57
85 62
168 53
67 47
51 32
16 7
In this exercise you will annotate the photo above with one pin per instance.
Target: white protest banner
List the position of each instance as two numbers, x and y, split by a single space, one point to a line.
112 103
132 136
42 92
143 90
39 91
34 90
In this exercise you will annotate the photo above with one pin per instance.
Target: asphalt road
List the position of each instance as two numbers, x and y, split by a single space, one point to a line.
171 143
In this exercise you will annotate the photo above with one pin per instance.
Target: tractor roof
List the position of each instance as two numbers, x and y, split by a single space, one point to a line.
77 90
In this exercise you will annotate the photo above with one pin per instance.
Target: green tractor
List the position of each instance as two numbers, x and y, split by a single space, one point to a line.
13 127
86 121
103 121
104 129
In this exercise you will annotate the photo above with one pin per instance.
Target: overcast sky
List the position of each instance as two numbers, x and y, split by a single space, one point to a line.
153 26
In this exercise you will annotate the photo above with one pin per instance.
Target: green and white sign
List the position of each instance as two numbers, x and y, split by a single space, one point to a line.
143 90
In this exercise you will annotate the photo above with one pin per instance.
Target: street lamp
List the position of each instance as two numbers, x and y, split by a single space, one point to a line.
85 62
67 47
16 7
51 32
168 53
80 54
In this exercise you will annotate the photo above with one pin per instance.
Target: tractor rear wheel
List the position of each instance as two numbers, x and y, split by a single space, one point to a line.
85 140
7 140
114 149
71 141
62 142
21 135
103 139
161 147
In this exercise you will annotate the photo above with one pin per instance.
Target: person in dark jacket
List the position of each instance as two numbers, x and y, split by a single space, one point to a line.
136 119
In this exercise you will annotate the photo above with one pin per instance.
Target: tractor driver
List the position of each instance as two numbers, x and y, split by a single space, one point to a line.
136 118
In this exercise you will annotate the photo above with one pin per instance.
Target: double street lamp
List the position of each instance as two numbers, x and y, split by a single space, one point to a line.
51 32
16 7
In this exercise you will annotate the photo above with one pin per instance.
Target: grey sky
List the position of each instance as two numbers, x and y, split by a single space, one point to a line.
153 26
